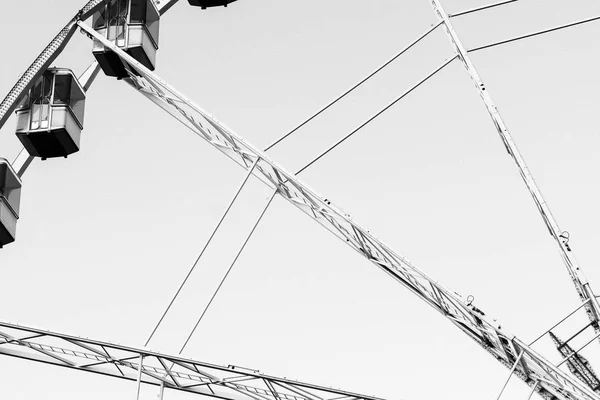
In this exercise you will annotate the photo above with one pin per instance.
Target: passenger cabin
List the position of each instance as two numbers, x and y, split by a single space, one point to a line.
209 3
10 197
131 25
50 117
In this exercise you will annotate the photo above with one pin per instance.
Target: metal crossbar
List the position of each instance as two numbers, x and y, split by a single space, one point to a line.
228 383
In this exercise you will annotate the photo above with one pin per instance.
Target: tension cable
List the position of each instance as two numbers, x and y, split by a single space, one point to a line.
403 95
404 50
237 193
482 8
487 46
228 271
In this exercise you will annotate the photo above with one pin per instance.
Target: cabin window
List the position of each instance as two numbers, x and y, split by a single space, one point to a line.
40 102
117 20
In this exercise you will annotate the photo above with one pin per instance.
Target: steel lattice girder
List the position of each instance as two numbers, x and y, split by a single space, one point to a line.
230 383
581 283
506 348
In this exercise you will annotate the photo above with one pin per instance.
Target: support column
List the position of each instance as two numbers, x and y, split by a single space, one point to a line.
139 377
512 370
532 390
161 392
22 162
581 284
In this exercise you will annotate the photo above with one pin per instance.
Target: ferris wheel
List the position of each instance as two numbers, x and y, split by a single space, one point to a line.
49 103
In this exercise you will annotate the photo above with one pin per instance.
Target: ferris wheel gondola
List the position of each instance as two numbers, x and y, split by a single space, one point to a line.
210 3
132 25
50 118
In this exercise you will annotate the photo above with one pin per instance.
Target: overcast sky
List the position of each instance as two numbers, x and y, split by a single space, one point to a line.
106 236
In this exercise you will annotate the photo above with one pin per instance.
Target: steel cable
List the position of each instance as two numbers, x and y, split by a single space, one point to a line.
404 50
201 253
482 8
228 271
403 95
557 28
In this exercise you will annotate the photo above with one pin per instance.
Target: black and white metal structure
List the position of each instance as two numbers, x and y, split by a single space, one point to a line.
578 364
10 199
164 371
549 380
581 284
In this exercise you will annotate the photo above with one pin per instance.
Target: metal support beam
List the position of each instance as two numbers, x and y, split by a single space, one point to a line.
575 352
512 371
161 392
146 367
533 387
139 377
165 5
89 76
22 162
581 283
559 322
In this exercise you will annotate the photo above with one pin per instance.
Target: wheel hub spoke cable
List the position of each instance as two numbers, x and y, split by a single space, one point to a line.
202 252
557 28
228 271
404 50
472 10
403 95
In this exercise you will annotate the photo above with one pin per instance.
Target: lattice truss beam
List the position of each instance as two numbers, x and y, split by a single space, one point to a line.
581 283
506 348
230 383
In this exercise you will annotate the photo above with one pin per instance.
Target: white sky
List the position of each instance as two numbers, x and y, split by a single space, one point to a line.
106 236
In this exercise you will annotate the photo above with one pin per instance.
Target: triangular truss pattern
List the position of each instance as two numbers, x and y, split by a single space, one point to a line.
229 383
561 238
530 366
578 364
